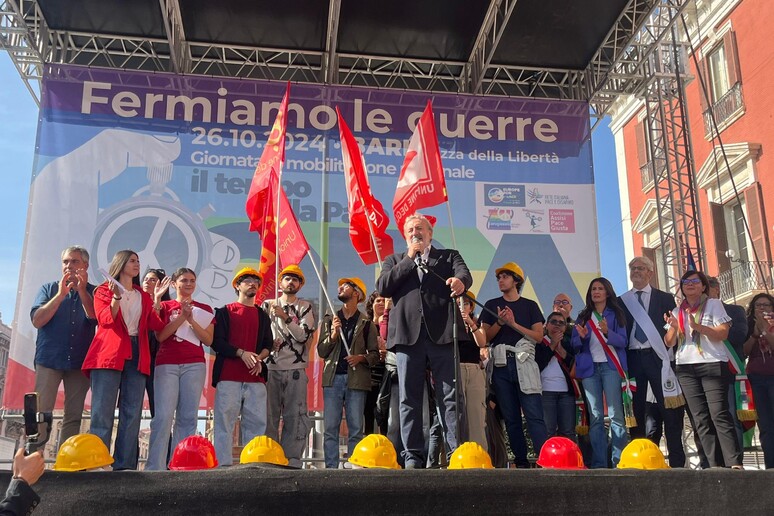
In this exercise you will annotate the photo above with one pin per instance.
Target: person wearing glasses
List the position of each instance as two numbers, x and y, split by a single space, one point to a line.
242 340
63 313
759 346
697 329
558 390
348 345
650 362
563 305
421 330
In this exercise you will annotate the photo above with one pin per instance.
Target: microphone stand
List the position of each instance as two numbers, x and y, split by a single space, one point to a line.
453 312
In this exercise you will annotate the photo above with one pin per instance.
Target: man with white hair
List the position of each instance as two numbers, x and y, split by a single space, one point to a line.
650 362
63 313
420 329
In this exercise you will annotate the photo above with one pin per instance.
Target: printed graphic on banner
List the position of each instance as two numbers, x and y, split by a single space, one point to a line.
162 164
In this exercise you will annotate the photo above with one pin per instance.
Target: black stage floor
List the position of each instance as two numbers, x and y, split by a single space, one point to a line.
274 490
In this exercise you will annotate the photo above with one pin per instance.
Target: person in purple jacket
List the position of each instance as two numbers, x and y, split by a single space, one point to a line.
599 341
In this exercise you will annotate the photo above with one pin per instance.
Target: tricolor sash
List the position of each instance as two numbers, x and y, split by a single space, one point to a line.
745 406
628 386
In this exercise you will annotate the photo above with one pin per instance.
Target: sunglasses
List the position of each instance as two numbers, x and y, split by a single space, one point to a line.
557 322
561 302
691 281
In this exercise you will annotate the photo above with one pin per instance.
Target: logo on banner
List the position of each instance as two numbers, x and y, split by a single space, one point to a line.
504 195
535 197
500 219
562 221
535 218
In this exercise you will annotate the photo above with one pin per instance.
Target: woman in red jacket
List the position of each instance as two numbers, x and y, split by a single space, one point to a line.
119 357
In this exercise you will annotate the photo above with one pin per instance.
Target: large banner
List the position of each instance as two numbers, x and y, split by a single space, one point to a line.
162 163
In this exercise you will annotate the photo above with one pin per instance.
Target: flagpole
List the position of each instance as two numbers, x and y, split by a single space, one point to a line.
451 223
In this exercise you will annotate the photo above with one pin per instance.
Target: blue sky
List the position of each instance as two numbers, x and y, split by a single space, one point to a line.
18 119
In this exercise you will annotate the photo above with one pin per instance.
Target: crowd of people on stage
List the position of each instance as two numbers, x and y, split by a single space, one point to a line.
419 360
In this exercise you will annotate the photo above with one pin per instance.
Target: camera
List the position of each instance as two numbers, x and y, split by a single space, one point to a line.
32 421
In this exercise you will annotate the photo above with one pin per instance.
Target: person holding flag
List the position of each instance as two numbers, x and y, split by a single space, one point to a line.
698 328
420 329
293 324
599 341
348 346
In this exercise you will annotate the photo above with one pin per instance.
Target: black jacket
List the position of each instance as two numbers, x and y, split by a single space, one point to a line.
226 351
428 301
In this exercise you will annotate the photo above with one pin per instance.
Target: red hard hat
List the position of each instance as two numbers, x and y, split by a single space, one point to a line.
560 453
194 452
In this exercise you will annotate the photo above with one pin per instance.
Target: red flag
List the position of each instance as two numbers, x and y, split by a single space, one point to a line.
362 204
272 158
283 241
421 183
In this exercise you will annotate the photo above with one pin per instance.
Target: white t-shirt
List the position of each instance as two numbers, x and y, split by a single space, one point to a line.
711 351
597 352
553 378
131 309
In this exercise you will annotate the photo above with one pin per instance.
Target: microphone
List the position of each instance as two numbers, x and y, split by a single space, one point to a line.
418 256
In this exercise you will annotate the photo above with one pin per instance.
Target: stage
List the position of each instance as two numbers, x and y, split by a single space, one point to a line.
275 490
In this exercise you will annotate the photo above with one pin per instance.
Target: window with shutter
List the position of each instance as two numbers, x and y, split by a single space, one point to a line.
756 218
722 73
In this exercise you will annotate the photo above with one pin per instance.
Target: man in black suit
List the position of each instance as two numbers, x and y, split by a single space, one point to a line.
650 363
420 330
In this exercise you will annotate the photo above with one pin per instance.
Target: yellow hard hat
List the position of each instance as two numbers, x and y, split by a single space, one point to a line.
470 455
263 449
81 452
293 270
245 271
375 451
512 267
360 284
642 454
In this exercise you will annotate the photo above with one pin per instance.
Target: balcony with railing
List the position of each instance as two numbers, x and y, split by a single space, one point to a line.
739 284
646 176
724 109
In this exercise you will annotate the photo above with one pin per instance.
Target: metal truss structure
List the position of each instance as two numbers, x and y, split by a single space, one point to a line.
637 56
617 67
670 160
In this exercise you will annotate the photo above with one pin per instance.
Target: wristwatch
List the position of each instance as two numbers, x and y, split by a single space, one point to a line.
288 320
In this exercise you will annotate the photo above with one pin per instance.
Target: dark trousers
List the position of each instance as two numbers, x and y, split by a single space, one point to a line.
706 390
763 393
413 362
645 367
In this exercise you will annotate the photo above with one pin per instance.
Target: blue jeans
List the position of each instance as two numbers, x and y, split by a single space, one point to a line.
559 414
512 401
177 388
335 398
231 400
605 381
105 386
763 394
